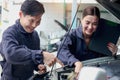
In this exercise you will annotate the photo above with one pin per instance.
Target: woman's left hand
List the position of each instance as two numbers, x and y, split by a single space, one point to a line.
113 48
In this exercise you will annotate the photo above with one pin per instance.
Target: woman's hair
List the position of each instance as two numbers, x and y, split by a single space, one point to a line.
91 10
32 7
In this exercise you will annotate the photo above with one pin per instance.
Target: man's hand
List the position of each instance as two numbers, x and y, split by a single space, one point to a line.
50 59
42 68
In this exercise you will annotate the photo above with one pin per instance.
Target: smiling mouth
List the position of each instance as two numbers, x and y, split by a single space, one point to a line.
89 31
31 29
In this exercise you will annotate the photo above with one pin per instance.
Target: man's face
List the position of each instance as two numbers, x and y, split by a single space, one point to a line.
29 22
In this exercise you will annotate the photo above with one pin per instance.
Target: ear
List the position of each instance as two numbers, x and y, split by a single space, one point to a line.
20 14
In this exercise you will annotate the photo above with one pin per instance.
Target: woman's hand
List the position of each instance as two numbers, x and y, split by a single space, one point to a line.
78 66
113 48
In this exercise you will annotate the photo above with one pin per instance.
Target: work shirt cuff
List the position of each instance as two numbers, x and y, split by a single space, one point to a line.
37 57
72 61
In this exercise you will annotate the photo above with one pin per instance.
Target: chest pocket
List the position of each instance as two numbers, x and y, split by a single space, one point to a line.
28 40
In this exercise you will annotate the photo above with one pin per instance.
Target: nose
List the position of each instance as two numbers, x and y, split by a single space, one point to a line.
34 25
90 26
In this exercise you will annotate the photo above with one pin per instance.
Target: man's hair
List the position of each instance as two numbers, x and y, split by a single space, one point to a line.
32 7
91 10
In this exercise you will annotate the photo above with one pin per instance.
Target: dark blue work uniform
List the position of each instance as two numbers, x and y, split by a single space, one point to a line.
21 53
74 48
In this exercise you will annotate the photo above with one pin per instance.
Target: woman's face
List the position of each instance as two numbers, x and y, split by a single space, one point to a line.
89 25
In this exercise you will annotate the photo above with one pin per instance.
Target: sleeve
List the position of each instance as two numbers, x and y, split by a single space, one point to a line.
19 54
65 54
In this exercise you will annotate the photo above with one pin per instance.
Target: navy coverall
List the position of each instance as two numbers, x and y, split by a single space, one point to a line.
21 53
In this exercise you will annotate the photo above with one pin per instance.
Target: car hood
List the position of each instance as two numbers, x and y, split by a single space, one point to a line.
113 6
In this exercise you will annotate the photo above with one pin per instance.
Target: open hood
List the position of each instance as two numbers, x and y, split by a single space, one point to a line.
113 6
110 31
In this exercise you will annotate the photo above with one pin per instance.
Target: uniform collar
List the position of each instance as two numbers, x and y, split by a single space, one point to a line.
79 32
